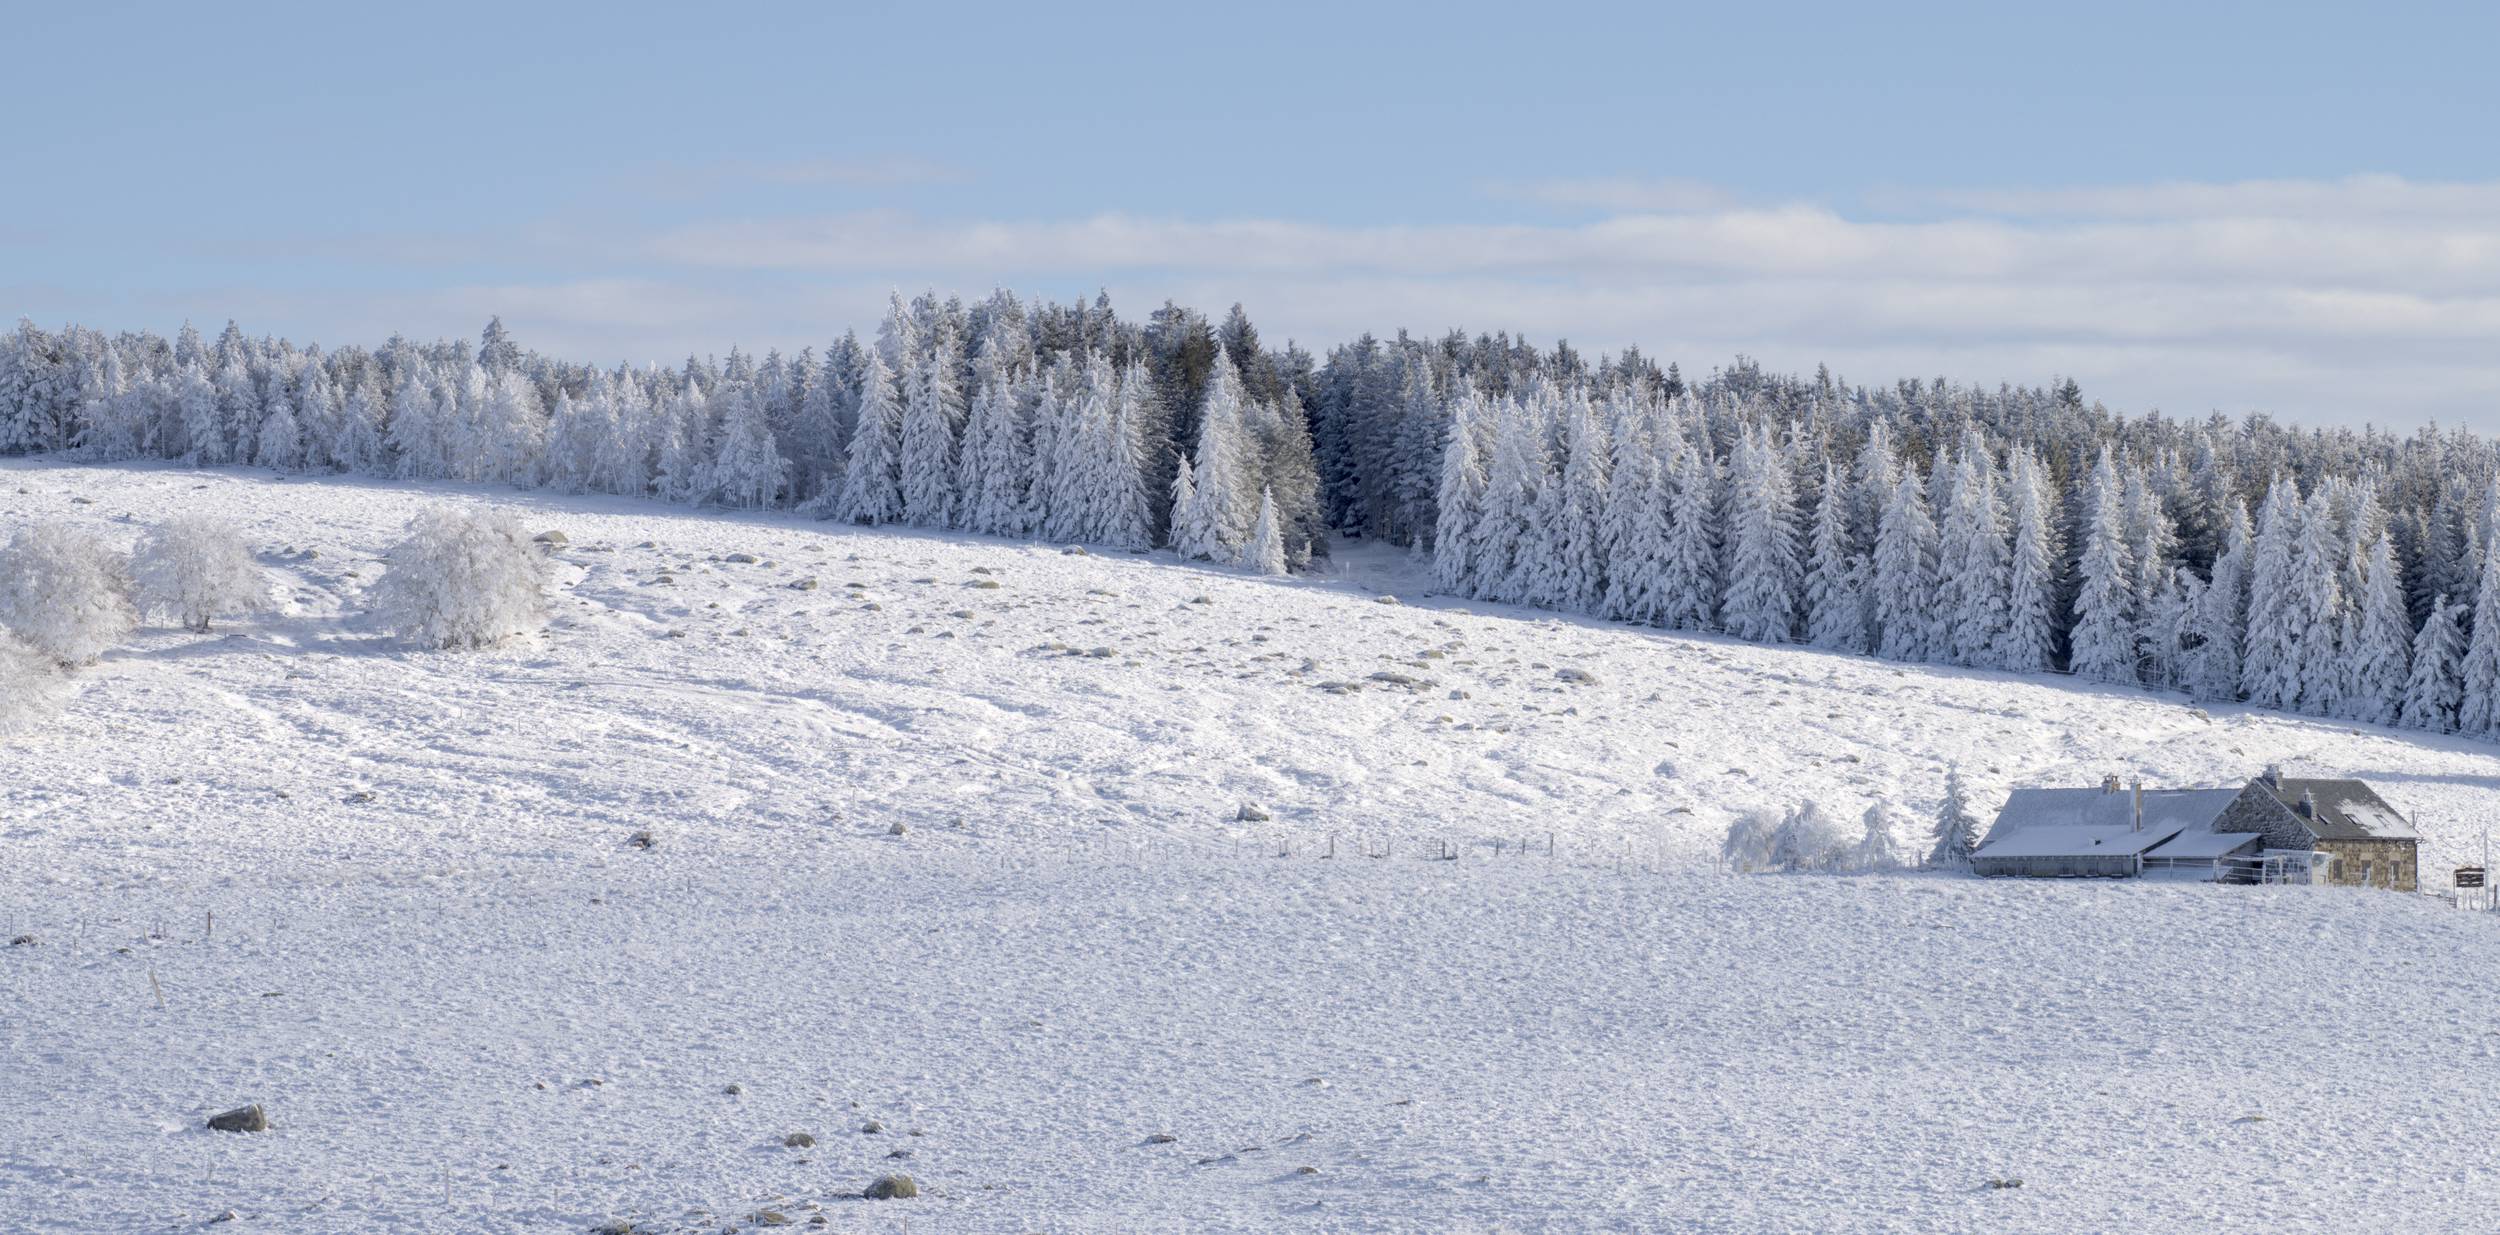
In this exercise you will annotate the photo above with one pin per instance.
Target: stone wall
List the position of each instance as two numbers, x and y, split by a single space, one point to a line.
2391 864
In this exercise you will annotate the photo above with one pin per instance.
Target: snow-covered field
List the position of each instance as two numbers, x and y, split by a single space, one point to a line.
469 1004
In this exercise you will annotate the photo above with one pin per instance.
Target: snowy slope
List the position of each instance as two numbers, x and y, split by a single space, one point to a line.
1074 945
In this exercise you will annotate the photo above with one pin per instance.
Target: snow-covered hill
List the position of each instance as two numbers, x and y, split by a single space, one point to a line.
426 908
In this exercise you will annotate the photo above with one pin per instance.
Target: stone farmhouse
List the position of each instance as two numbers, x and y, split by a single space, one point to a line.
2273 829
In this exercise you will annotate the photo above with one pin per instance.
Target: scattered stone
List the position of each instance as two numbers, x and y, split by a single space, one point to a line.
983 570
1251 812
1999 1185
898 1154
241 1119
807 584
1385 599
1161 1138
872 1127
733 1089
1407 680
898 829
1577 677
228 1216
1075 551
1306 1170
82 501
741 559
798 1140
965 614
769 1217
617 1226
987 585
358 798
1100 653
1200 600
892 1188
553 538
642 840
23 941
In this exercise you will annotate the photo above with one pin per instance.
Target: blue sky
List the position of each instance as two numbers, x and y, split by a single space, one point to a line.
2190 206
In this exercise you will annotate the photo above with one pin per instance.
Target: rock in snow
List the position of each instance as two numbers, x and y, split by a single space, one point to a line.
241 1119
892 1188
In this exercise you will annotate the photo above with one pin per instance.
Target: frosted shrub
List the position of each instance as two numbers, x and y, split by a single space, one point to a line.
65 593
196 568
464 579
28 685
1809 840
1748 844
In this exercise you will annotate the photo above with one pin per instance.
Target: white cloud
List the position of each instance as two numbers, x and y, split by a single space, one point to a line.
2330 301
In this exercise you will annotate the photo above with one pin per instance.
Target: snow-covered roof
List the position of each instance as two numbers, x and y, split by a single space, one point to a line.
2346 809
2040 823
2205 843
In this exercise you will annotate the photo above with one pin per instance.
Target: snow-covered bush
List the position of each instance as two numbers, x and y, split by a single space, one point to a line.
65 592
196 568
464 578
1877 849
1748 843
29 685
1808 839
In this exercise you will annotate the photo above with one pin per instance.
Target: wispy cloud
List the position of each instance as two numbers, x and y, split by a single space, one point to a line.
2345 300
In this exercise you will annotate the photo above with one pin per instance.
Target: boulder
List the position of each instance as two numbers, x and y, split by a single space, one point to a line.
1251 812
241 1119
798 1140
553 538
741 559
891 1188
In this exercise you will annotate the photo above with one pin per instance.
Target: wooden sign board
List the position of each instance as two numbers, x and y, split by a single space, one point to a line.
2469 876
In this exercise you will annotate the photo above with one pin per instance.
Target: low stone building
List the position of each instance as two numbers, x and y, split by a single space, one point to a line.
2272 829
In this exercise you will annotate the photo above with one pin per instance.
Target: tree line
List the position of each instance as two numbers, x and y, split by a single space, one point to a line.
2340 572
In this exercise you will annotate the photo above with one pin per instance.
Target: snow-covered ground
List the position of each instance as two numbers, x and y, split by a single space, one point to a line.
469 1004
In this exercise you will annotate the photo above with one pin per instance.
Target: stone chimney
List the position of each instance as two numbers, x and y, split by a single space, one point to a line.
2308 806
2138 788
2109 783
2273 776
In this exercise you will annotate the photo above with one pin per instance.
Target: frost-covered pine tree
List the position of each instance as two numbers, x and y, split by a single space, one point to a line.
2221 617
2377 660
1972 577
571 431
416 429
1191 537
1689 578
197 569
871 480
1835 611
2317 604
684 455
1956 833
933 413
2478 712
2028 641
2270 653
1578 582
990 473
280 442
1217 519
747 469
1761 598
1121 491
1460 497
463 579
203 429
1264 552
2435 687
360 447
1904 581
64 592
1504 531
2104 638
